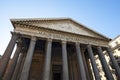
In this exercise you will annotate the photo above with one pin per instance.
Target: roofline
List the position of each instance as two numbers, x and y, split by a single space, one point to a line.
91 29
32 19
29 19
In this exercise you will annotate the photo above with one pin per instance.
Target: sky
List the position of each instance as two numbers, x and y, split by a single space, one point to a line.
103 16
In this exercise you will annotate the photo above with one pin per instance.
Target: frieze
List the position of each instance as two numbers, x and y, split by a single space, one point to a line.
58 35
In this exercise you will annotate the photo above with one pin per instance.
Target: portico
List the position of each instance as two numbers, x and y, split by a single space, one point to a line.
54 49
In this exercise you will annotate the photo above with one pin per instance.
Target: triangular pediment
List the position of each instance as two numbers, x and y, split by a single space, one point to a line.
66 25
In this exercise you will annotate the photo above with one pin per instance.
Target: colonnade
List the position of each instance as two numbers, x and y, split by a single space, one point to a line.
12 70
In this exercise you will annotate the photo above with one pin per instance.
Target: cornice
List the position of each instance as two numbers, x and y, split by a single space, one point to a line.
29 26
37 20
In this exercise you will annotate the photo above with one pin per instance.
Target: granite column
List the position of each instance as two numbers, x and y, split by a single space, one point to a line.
28 60
6 56
104 64
65 61
80 62
46 75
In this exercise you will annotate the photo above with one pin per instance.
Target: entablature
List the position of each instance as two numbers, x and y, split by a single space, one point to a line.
41 32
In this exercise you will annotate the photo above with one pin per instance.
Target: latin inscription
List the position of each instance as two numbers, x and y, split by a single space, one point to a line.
45 33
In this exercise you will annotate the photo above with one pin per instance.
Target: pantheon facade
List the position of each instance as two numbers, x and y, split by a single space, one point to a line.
54 49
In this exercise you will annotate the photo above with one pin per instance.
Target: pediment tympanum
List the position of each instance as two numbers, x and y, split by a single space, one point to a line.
66 25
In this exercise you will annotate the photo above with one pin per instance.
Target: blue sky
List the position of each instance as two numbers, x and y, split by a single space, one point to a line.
102 16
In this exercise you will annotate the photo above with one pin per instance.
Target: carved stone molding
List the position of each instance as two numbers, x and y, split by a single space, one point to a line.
33 38
59 35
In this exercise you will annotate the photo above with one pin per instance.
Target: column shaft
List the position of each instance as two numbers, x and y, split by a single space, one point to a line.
80 62
46 75
115 64
6 56
71 69
28 60
95 69
104 64
86 67
65 62
15 74
11 68
21 65
89 68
